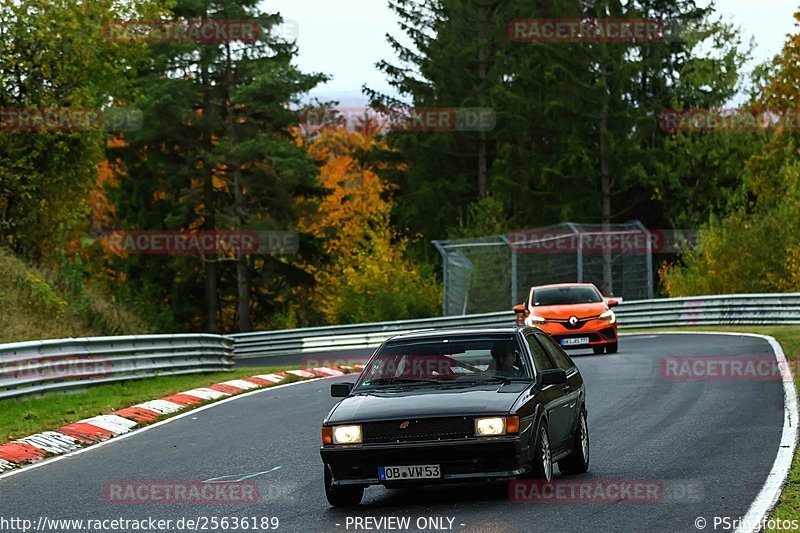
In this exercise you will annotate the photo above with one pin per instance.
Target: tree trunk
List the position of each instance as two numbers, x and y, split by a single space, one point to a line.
482 79
212 302
209 224
239 207
605 190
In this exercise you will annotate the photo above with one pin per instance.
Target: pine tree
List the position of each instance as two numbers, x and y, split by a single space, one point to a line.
216 153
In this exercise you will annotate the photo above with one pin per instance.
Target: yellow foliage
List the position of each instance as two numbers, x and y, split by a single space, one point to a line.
367 277
356 193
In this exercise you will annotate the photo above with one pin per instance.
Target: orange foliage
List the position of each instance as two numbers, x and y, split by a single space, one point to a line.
102 210
356 194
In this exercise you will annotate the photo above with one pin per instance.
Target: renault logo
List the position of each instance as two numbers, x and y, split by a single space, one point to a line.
405 425
573 320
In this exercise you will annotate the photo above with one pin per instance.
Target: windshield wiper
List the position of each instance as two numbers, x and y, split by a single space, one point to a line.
392 381
485 379
508 379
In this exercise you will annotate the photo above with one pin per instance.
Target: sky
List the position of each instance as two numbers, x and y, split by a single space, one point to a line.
345 38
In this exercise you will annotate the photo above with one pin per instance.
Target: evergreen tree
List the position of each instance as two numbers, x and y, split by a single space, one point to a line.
216 153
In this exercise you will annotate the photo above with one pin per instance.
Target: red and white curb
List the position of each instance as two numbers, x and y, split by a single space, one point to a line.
100 428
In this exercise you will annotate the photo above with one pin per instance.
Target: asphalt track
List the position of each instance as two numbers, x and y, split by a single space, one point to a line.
719 438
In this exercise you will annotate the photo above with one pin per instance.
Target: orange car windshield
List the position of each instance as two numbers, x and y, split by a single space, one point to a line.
565 296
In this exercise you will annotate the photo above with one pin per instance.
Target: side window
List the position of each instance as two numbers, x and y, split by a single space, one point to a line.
555 353
540 358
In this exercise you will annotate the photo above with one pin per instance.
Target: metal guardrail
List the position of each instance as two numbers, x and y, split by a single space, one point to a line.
735 309
355 336
41 366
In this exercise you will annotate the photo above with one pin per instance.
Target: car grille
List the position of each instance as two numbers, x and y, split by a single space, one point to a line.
418 429
565 322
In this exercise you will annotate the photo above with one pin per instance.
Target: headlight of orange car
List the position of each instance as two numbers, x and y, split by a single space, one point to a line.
609 315
532 320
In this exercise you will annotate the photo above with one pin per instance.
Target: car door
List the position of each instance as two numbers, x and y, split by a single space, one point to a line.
572 389
553 396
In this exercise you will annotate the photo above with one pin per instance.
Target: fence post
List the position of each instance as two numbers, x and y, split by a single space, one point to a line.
444 276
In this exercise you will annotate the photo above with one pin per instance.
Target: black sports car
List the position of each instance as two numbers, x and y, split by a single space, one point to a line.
453 406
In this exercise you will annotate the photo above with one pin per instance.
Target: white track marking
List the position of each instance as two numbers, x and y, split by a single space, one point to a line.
235 478
329 371
162 407
51 441
301 373
271 377
113 423
205 394
240 384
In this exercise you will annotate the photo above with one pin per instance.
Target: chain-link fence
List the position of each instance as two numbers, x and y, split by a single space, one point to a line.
494 273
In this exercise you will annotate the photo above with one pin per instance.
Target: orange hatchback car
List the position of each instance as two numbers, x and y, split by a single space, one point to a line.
574 314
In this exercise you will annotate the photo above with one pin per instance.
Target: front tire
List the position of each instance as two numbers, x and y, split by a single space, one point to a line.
598 349
542 467
612 347
578 461
348 496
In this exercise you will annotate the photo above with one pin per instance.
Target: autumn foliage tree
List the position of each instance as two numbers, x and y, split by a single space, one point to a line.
755 247
366 275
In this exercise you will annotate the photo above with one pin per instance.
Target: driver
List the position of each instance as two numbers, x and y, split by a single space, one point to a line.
503 358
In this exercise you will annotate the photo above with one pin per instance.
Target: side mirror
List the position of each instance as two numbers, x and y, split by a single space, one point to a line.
612 303
553 376
521 314
341 390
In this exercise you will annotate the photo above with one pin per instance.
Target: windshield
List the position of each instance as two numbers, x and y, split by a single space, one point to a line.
462 359
565 296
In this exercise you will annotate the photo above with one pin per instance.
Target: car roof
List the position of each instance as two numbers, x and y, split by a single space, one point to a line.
555 285
451 332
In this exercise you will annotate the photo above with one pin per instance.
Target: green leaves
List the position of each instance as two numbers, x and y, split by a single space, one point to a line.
215 153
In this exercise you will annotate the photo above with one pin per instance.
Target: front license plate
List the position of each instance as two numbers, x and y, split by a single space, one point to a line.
575 342
400 473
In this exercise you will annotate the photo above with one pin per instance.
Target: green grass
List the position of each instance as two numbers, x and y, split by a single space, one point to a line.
24 416
788 507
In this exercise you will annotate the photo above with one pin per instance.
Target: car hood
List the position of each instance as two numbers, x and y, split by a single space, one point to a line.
563 312
427 402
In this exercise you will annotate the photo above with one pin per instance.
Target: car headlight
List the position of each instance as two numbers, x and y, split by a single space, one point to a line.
532 320
609 315
496 425
346 434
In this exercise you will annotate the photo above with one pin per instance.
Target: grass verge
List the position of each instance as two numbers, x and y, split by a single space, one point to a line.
20 417
788 507
39 304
